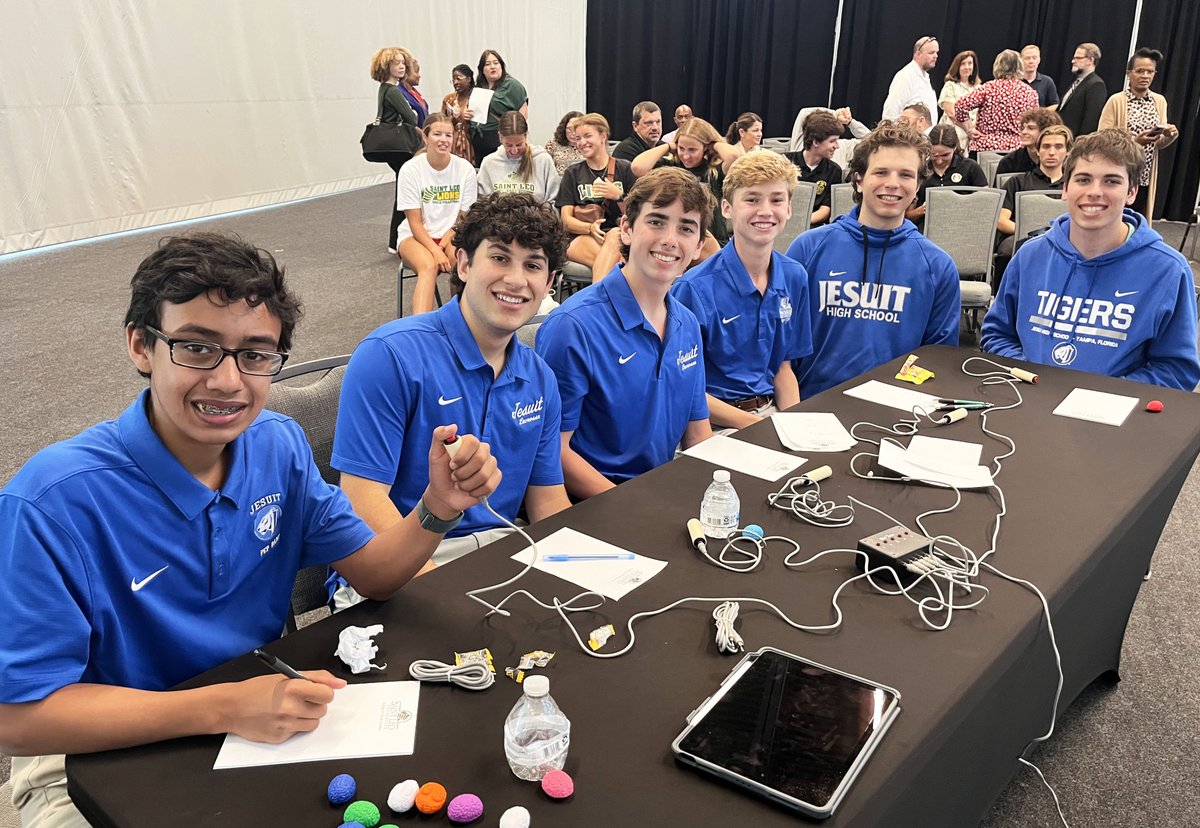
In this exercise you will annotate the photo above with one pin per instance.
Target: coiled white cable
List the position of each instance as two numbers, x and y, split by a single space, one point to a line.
473 676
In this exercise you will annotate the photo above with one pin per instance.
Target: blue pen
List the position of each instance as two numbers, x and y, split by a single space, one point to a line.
601 556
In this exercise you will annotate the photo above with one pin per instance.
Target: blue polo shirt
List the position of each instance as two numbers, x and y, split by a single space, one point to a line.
626 394
747 335
417 373
121 568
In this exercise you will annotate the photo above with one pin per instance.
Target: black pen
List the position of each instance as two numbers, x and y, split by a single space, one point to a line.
965 403
279 666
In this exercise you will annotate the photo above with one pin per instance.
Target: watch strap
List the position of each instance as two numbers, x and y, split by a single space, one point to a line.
433 523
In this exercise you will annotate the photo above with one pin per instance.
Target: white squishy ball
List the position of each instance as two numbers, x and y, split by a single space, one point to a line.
403 795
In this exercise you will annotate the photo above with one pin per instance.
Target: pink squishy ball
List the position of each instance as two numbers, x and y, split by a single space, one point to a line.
558 784
465 808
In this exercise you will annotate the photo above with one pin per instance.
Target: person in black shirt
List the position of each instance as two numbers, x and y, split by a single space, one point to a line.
1031 59
815 162
1024 158
647 130
948 167
1052 147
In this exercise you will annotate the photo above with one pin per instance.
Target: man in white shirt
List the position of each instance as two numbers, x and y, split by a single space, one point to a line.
911 84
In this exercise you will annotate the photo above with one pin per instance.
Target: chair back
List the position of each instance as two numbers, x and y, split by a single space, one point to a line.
803 199
313 404
527 333
1004 178
989 161
841 200
1035 209
779 145
962 221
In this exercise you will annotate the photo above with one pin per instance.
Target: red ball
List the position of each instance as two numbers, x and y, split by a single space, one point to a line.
1155 406
558 784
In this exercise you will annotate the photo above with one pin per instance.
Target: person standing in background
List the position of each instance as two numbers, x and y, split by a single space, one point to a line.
911 84
458 106
961 80
507 94
389 67
408 88
1081 103
1001 102
1043 85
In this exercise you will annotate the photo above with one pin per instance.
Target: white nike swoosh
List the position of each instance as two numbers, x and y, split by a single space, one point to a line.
1120 294
135 584
443 401
623 360
725 321
837 273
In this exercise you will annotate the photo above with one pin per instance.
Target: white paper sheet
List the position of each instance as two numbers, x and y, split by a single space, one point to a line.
942 464
1096 406
810 431
892 396
375 719
747 458
611 578
479 102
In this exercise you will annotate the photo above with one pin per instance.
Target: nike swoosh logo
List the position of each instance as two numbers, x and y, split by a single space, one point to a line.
136 585
725 321
1121 294
443 401
837 273
623 360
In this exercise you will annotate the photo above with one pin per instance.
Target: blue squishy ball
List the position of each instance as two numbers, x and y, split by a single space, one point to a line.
341 789
754 530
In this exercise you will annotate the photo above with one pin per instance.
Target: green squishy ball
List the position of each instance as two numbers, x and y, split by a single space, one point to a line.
362 812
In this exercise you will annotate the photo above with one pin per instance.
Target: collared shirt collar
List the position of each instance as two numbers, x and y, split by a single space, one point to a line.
450 318
738 277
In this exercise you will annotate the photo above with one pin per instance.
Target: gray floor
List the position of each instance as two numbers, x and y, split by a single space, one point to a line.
1122 756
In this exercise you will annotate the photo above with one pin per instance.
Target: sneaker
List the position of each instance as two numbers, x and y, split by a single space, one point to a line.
392 250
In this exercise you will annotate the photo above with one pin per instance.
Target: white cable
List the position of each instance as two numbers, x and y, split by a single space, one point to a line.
1049 787
474 675
737 558
808 506
728 640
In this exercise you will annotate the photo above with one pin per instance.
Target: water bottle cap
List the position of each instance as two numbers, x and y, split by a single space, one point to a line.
720 476
536 686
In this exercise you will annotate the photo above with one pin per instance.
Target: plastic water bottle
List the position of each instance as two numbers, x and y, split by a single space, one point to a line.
536 733
720 510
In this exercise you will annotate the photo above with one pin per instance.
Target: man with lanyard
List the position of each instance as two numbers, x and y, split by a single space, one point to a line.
751 301
461 364
911 84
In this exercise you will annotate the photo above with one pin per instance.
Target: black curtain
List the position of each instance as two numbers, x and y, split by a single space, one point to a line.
721 57
1174 29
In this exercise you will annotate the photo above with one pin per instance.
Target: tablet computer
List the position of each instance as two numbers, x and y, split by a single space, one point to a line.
788 729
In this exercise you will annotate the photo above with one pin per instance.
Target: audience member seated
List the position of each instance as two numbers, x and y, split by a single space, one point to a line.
961 80
432 190
815 162
458 106
1024 158
591 197
877 288
1101 291
1001 103
1052 147
517 166
751 301
917 117
746 132
627 355
683 114
454 366
948 168
844 116
647 129
561 145
702 152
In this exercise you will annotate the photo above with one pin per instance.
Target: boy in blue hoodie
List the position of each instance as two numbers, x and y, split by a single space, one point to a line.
1101 291
877 287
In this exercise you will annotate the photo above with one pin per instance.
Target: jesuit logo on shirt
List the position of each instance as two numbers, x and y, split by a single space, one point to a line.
1065 353
528 413
1084 320
687 359
859 300
265 518
785 309
440 193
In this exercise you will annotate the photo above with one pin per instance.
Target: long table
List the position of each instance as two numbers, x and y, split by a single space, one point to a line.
1086 505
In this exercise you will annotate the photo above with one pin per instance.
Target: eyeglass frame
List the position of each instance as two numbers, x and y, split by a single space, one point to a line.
225 352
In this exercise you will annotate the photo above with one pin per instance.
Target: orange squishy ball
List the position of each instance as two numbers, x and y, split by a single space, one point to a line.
430 798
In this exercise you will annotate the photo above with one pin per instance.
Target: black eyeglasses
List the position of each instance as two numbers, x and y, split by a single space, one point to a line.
208 355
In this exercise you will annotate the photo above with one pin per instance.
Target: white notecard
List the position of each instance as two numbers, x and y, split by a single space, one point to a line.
810 431
1096 406
375 719
613 578
892 396
747 458
938 464
481 100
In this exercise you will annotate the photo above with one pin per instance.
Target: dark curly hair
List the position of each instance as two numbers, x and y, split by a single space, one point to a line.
511 217
223 266
887 134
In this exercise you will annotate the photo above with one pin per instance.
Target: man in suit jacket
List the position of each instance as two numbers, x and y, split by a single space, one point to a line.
1081 103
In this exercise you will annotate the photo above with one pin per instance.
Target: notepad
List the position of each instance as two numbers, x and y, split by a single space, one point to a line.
747 458
1096 406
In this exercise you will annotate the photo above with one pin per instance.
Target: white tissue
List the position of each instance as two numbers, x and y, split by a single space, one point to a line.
356 648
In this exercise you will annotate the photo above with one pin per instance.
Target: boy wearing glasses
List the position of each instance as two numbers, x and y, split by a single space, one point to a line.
155 546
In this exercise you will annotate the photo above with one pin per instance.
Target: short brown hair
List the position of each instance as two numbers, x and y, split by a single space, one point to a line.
887 134
1112 145
820 126
666 185
1041 116
759 168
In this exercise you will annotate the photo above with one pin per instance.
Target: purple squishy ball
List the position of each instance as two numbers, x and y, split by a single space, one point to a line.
341 789
465 808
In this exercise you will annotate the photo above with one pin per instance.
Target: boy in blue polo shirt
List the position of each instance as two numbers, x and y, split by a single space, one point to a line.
463 365
627 355
751 302
156 546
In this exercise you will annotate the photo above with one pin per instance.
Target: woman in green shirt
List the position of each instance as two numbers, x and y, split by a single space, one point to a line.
507 95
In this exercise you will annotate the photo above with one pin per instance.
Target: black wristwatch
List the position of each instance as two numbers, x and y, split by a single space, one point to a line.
433 523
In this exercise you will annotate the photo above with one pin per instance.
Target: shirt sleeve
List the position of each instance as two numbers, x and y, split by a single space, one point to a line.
373 413
1171 357
547 465
969 101
944 316
332 530
408 188
975 174
800 344
699 407
568 189
999 332
469 186
562 343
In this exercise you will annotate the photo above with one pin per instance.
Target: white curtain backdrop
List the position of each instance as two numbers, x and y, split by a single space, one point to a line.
130 113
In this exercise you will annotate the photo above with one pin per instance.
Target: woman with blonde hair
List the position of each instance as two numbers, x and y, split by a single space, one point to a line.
1001 103
389 66
517 166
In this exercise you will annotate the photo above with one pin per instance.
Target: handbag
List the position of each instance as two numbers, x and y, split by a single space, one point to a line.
595 211
390 143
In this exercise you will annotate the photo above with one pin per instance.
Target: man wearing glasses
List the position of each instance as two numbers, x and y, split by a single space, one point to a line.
911 84
1084 99
155 546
